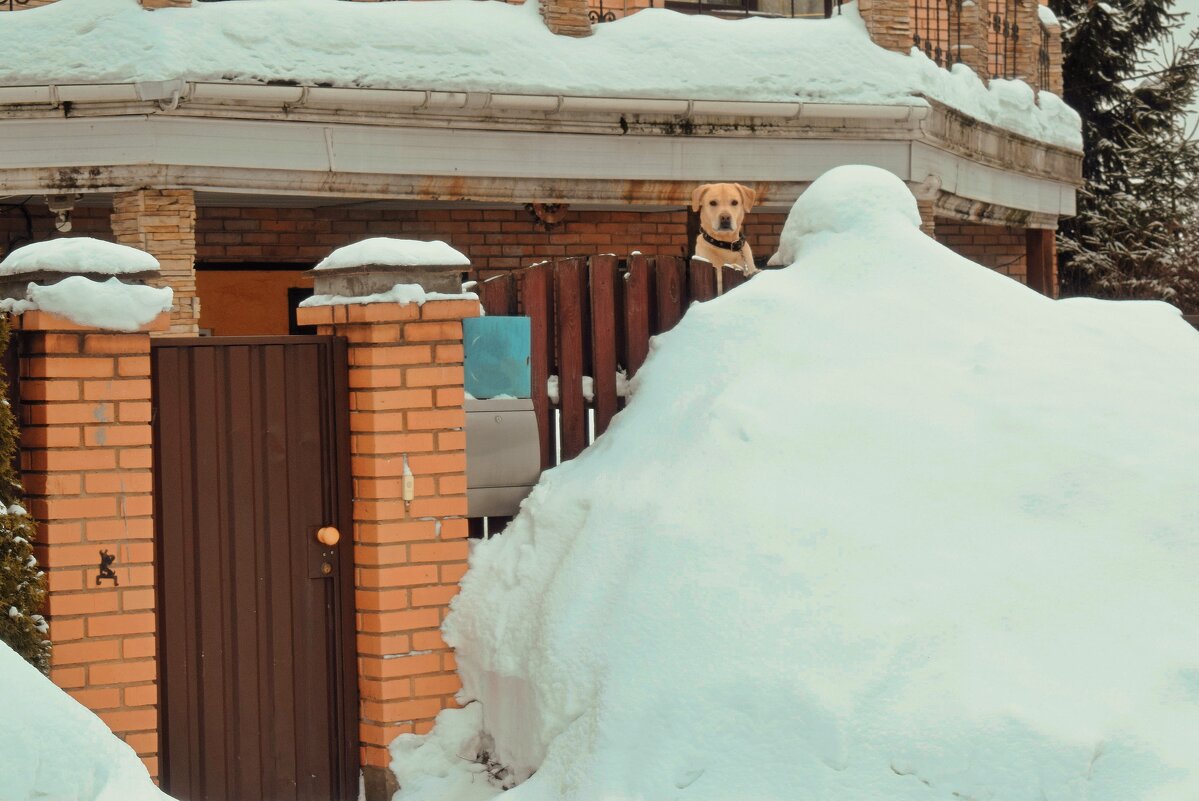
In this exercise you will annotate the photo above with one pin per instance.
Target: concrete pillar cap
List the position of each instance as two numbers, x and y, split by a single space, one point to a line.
376 265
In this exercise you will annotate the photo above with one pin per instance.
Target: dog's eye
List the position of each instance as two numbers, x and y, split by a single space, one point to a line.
711 202
733 203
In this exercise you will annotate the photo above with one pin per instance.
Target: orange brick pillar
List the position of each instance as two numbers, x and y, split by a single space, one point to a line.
406 403
86 466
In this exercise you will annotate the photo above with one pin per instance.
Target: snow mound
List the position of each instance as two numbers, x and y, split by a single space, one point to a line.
881 525
391 252
467 46
111 304
56 749
80 254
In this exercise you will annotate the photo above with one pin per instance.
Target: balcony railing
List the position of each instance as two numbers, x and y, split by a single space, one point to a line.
1043 59
612 10
1005 35
937 30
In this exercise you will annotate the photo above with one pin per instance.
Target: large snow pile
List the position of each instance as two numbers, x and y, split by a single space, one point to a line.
54 748
389 251
463 45
881 525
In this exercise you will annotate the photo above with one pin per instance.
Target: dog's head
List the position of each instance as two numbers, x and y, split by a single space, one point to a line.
722 207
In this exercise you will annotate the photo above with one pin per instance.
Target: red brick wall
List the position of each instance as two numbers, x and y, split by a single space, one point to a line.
1001 248
494 239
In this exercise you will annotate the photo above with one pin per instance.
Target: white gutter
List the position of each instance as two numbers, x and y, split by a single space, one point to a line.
170 93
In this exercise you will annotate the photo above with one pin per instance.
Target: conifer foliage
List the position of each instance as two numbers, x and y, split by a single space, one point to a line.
22 584
1132 76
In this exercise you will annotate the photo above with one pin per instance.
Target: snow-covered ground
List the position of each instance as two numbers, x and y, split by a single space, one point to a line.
881 525
54 749
464 45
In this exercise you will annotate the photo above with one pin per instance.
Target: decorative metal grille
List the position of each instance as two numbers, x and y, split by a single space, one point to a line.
937 30
1043 60
12 3
1005 39
601 11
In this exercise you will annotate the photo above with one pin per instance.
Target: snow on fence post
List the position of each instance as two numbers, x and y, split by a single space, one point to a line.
399 305
83 319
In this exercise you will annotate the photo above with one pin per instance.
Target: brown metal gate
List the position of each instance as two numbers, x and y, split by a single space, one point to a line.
257 675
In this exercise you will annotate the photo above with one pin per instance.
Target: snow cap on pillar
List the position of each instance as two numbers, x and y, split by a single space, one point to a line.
88 281
377 265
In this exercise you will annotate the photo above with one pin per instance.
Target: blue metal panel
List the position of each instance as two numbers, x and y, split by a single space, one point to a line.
497 356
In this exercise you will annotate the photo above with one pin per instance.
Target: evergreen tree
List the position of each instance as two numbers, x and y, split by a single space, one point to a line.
1133 86
22 584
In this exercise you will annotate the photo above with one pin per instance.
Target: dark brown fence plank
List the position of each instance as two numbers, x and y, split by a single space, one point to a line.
701 278
569 297
732 278
672 285
603 339
497 296
637 308
538 305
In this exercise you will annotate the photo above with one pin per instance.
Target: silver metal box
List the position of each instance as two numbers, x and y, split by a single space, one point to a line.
503 457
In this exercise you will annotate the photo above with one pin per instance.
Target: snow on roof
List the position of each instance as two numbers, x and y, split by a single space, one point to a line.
464 45
55 748
883 524
79 254
387 251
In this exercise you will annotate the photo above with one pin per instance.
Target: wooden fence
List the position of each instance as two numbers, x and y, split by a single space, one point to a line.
593 318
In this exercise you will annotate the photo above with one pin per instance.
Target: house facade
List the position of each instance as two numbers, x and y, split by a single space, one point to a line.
239 184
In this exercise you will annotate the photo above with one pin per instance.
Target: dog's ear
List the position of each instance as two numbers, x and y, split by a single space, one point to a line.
748 196
697 196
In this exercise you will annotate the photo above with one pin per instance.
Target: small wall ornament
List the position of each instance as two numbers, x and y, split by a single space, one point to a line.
106 571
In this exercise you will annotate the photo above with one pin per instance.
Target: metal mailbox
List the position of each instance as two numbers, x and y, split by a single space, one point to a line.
503 456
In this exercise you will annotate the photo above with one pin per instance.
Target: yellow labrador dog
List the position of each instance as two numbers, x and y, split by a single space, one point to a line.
722 209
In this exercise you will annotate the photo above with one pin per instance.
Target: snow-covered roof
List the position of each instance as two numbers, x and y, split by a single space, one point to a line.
882 525
78 254
391 252
464 45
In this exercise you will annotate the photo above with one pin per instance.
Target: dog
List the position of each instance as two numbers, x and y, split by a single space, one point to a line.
722 209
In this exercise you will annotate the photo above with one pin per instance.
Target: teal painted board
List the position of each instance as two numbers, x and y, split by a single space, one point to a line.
497 356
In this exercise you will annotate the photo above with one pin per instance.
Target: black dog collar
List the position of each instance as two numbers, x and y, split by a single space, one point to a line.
734 246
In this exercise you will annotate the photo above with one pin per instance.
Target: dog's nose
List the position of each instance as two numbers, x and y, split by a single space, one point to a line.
726 221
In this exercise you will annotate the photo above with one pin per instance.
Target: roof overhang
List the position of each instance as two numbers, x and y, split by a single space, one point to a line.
333 143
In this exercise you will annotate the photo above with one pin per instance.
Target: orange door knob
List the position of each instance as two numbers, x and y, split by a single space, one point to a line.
328 536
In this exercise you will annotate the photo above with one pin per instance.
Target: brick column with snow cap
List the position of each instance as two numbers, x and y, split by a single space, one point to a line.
82 320
399 304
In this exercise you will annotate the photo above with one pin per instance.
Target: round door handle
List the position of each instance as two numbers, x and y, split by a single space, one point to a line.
328 536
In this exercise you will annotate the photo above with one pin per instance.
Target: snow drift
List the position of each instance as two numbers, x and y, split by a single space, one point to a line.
467 46
56 749
880 525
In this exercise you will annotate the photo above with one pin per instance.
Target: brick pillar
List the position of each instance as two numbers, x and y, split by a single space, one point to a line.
566 17
889 23
976 39
406 400
928 223
1056 84
86 466
166 3
162 222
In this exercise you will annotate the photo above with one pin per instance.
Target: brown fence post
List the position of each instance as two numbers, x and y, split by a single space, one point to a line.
406 408
86 467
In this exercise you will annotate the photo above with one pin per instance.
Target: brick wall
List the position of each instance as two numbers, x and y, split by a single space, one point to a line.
85 462
1002 248
495 240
